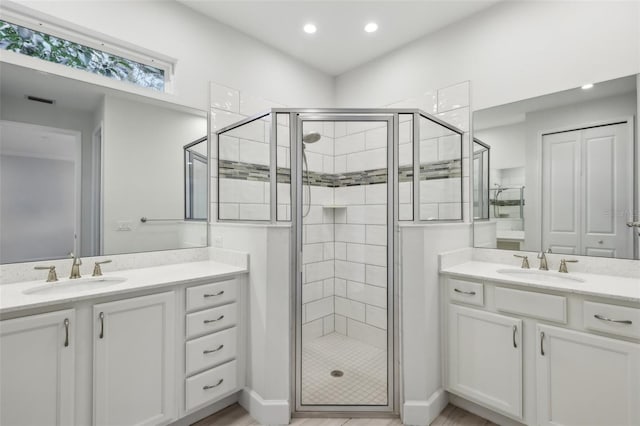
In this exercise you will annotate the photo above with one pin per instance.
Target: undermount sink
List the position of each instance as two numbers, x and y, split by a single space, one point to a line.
541 276
76 285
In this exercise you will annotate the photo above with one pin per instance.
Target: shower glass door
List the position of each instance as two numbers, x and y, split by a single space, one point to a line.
343 205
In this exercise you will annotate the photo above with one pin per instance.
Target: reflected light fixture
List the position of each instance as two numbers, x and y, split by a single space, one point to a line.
371 27
310 28
587 86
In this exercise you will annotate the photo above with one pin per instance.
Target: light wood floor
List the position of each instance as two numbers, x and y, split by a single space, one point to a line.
237 416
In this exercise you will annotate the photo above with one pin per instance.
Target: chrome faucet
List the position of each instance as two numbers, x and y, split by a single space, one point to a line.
563 265
525 261
97 271
75 267
543 260
52 276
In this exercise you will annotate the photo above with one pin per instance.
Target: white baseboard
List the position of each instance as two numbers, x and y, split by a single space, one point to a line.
207 411
483 412
422 413
266 412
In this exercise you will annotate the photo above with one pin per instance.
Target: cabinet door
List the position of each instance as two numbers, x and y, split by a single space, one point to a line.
584 379
134 361
485 358
37 369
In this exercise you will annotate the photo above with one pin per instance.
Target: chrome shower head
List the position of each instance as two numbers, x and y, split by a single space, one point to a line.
311 137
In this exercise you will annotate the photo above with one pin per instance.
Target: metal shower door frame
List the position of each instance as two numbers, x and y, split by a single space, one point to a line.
296 120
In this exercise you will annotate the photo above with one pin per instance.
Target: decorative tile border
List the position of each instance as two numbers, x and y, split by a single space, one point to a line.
261 173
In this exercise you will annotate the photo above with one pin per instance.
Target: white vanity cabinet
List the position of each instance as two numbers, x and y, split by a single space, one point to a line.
134 366
165 346
583 379
485 358
541 357
37 371
212 341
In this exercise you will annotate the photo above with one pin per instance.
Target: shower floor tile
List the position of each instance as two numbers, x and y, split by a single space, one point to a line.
364 381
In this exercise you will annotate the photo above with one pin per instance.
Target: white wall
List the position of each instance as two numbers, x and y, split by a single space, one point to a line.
511 51
143 174
267 390
420 291
206 50
507 145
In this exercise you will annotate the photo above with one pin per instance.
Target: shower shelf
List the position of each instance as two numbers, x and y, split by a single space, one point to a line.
334 206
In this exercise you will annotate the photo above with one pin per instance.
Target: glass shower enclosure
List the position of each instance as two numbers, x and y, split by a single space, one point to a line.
345 179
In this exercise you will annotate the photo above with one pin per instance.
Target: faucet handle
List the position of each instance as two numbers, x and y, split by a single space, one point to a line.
52 276
525 260
563 264
97 271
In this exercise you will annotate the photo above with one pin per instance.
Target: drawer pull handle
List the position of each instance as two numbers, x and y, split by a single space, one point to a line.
542 343
468 293
515 330
220 293
603 318
214 320
101 316
66 332
207 387
210 351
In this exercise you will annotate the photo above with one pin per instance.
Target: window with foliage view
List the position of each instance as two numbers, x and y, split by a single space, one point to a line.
53 49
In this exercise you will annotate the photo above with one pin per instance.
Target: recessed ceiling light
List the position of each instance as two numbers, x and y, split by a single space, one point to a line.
371 27
587 86
310 28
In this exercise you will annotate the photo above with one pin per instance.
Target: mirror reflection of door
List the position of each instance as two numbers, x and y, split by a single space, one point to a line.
39 192
481 152
586 192
196 175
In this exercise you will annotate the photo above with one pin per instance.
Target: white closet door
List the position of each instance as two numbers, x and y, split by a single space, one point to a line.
586 194
561 192
607 158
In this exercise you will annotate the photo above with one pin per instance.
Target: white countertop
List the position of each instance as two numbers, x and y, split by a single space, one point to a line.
12 297
609 286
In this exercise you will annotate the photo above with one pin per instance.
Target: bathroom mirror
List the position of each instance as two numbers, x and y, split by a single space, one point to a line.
561 172
96 171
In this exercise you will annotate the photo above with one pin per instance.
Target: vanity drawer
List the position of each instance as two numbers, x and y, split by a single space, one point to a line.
530 304
211 320
205 296
211 350
466 291
210 385
613 319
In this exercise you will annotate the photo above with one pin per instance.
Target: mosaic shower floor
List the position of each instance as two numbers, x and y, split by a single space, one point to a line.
364 368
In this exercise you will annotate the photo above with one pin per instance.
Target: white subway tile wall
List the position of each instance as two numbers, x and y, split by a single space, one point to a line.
360 246
240 199
452 105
